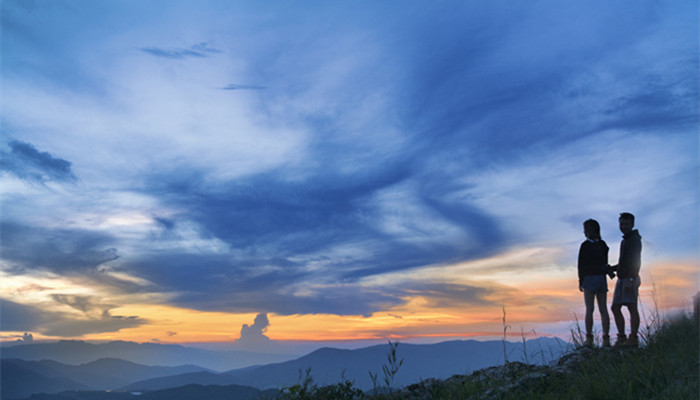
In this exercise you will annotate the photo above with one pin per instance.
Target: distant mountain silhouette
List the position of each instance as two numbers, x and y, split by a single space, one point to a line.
439 360
199 378
327 365
17 382
20 378
78 352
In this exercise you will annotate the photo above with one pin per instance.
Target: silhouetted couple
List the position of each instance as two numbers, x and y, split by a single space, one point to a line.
592 269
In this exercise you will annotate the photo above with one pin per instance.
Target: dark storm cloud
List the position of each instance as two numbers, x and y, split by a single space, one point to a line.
197 50
26 162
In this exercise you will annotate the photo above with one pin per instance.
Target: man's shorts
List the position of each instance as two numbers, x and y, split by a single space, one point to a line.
627 291
595 283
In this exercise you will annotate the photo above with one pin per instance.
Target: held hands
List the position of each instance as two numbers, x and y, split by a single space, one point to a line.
609 270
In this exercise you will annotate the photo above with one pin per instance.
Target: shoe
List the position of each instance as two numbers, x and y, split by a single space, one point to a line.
589 341
606 340
621 340
633 341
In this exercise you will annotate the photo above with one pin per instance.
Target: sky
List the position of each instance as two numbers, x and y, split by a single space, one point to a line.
259 173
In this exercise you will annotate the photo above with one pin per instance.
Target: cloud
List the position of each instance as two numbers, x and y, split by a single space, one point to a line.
253 336
82 303
28 163
197 50
449 295
165 223
91 306
20 317
286 244
65 327
58 250
234 86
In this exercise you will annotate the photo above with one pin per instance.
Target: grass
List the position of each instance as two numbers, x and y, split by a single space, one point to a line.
666 367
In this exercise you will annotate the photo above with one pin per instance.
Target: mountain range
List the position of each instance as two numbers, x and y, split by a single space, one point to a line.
21 377
76 352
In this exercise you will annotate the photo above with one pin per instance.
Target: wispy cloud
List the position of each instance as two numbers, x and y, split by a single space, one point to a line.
26 162
19 317
197 50
235 86
59 250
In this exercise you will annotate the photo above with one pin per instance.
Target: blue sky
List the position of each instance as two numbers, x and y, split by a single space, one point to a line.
243 158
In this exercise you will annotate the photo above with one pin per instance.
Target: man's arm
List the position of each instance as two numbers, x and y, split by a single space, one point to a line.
634 260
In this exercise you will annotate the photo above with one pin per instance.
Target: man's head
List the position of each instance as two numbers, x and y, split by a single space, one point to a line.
626 222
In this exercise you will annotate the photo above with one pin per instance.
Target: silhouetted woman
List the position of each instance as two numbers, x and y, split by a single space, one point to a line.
592 267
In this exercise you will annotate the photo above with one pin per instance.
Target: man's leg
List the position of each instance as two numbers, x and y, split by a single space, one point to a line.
634 323
619 319
617 313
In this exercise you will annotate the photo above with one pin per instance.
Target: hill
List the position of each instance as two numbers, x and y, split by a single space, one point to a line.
330 365
76 352
16 381
199 378
441 360
666 367
327 366
20 378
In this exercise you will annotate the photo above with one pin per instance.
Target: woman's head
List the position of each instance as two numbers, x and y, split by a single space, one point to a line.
591 229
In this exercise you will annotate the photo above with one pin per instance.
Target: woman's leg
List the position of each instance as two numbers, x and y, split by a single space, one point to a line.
588 298
603 308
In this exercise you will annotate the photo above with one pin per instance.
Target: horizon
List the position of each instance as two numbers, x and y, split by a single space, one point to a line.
233 173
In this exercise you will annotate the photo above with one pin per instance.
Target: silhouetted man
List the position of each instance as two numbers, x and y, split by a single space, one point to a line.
627 287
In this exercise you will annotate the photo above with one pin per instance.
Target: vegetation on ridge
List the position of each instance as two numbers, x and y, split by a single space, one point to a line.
667 367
